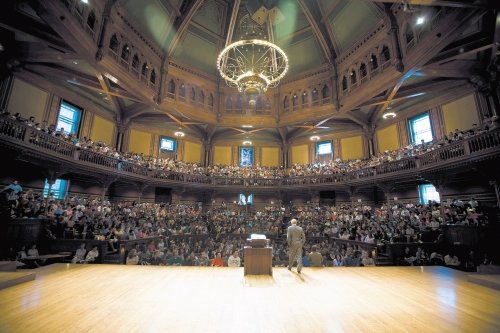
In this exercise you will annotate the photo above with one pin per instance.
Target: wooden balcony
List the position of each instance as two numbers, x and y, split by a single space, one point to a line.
39 147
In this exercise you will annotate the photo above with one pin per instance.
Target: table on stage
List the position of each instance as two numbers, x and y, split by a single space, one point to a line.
258 261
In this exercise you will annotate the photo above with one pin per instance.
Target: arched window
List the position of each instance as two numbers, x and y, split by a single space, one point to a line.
354 77
409 34
344 83
239 102
201 98
182 91
267 104
305 98
286 103
315 96
145 70
386 54
80 7
362 70
113 43
91 20
211 100
373 62
152 78
229 103
171 88
135 62
125 53
258 103
295 101
192 96
325 94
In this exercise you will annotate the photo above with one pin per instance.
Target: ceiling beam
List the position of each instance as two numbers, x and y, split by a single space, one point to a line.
207 31
379 109
296 132
329 11
355 118
182 23
445 72
328 50
38 52
415 90
209 132
232 22
76 78
186 125
442 3
112 99
283 132
134 111
460 54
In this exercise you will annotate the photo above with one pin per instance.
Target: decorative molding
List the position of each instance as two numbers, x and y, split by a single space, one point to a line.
141 37
190 70
346 55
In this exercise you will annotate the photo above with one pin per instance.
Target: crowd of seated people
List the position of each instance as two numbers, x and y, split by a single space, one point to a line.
327 168
92 218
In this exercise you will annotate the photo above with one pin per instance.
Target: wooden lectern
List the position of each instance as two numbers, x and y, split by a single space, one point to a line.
258 257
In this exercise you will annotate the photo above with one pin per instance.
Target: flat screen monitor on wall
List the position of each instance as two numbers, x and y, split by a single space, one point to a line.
167 144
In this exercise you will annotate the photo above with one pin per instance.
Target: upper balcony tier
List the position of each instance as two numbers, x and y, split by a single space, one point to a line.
46 150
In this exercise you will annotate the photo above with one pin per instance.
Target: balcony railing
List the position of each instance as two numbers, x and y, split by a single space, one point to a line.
18 135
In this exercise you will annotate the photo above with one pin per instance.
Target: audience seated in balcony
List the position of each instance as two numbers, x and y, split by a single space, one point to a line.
297 170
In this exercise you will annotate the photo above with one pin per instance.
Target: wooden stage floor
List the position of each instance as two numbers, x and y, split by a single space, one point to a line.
119 298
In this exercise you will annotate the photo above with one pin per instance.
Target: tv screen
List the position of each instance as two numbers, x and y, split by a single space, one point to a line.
167 144
324 148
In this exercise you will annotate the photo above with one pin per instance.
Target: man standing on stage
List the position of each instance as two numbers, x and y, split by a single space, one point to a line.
296 238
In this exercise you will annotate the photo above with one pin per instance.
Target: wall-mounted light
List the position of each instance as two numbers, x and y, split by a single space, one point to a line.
247 126
247 143
179 134
388 115
314 138
420 20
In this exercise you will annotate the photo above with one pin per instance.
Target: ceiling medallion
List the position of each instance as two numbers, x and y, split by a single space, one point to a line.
252 64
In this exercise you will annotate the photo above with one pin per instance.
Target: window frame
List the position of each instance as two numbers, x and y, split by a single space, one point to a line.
413 133
59 188
74 123
423 194
245 199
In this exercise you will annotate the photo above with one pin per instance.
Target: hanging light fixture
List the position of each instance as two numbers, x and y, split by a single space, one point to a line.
252 64
389 114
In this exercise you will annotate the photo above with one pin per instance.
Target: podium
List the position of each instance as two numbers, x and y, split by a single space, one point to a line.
258 260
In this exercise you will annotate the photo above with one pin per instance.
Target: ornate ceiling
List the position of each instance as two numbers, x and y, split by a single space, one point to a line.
322 38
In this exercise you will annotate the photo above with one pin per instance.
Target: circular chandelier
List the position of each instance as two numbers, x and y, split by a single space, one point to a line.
252 64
